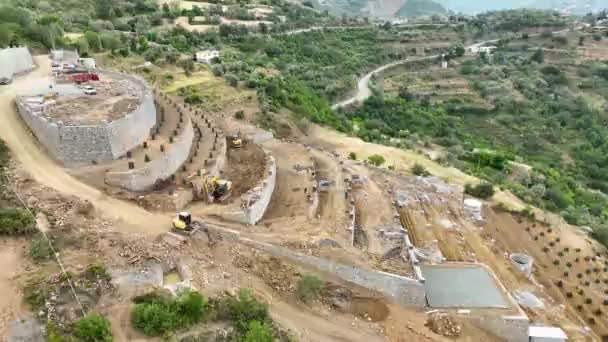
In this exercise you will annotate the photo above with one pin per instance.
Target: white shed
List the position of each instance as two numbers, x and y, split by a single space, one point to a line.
206 56
546 334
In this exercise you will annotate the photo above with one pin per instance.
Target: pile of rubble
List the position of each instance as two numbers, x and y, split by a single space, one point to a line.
443 324
276 274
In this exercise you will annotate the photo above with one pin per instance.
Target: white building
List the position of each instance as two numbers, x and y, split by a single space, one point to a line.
483 49
206 56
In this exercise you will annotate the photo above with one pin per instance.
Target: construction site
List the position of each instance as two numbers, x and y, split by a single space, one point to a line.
169 195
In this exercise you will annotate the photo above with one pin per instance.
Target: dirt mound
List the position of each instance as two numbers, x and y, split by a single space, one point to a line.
276 274
346 300
245 168
372 309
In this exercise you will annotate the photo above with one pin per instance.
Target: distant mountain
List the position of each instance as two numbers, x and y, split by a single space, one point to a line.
479 6
413 8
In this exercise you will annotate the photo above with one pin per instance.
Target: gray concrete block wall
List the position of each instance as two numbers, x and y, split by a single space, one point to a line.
14 61
402 290
143 178
256 210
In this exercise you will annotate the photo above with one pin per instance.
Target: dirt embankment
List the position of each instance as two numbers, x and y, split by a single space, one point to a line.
245 168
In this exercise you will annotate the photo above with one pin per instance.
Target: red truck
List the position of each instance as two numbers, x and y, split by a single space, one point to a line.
81 78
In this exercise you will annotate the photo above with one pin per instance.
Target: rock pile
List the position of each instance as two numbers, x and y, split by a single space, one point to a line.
443 324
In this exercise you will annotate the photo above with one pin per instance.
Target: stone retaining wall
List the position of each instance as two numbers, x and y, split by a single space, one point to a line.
84 144
402 290
254 203
14 61
143 179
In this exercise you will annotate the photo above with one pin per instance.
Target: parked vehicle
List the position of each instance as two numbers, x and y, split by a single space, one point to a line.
81 78
89 90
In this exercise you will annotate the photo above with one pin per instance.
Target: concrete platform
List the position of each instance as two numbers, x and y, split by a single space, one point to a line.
462 286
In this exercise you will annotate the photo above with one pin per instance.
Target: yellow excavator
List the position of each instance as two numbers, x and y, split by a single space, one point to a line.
236 141
217 189
184 225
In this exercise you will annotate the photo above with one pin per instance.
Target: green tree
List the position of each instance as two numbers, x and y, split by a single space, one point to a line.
539 56
352 156
483 190
93 328
83 47
258 332
232 80
459 50
93 40
104 9
419 170
245 309
376 160
187 65
110 41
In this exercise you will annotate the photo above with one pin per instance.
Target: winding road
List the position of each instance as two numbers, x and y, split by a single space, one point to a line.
364 91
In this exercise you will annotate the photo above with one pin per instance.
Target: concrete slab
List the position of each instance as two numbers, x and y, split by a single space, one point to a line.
462 286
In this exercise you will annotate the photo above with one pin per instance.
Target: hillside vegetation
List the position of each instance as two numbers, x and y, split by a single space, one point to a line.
547 109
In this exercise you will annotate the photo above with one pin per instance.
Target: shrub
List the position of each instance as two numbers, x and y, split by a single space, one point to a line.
15 221
239 115
40 249
258 332
419 170
97 271
308 288
232 80
352 156
217 70
376 160
93 328
155 314
481 190
244 309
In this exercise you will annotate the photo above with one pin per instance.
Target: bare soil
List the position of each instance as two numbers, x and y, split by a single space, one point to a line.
245 167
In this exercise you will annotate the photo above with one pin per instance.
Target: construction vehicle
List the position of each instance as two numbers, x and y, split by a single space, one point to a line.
81 78
210 188
236 141
184 225
217 189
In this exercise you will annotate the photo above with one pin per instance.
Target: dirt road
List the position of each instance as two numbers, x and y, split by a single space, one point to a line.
364 91
44 170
